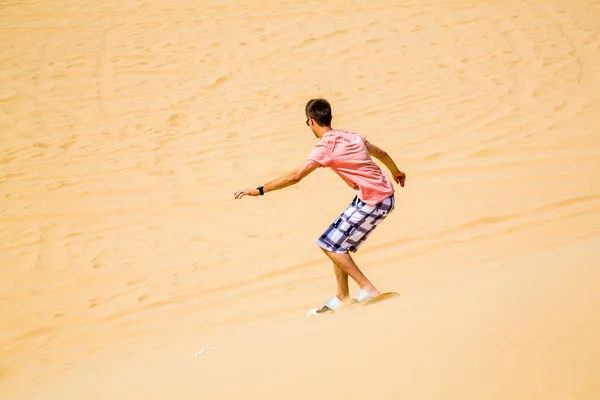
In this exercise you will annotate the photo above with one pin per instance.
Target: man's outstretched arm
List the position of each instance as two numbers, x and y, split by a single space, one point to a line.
385 158
285 180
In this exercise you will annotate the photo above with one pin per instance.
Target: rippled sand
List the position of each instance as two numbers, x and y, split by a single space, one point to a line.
126 127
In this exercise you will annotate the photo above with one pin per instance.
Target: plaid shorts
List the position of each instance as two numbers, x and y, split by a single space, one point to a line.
350 230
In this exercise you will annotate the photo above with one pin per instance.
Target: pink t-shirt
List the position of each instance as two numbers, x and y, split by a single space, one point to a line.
346 153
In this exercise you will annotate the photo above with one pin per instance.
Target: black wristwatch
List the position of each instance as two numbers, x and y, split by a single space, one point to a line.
260 190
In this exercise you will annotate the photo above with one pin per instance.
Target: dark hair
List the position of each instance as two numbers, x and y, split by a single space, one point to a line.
320 111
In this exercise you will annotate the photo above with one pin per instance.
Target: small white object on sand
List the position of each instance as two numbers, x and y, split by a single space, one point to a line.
203 350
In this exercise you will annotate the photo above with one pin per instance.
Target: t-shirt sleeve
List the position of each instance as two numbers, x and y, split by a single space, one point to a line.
322 155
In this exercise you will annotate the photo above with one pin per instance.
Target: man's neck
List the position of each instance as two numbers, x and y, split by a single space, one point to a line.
322 130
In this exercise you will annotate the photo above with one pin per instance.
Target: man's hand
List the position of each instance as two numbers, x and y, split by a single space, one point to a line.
243 192
285 180
400 178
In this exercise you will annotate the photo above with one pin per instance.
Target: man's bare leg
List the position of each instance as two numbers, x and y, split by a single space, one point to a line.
343 292
346 264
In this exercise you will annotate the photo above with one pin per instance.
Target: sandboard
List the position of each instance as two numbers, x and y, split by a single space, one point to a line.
376 299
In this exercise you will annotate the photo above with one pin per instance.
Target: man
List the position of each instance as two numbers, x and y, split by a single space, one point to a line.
349 155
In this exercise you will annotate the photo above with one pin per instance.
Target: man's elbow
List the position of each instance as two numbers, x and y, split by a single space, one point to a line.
295 177
379 154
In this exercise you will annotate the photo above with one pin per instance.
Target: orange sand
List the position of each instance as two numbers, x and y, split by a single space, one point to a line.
126 127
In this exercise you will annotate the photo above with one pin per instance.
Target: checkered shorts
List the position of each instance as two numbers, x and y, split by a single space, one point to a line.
350 230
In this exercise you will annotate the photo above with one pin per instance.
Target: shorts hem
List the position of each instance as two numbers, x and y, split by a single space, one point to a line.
331 249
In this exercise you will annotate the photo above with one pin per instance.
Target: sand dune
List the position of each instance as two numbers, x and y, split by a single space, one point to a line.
125 128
